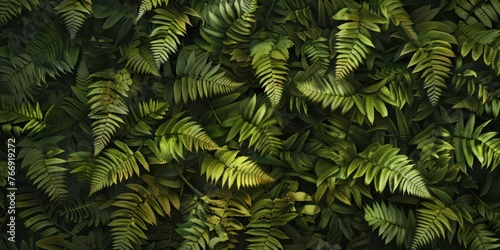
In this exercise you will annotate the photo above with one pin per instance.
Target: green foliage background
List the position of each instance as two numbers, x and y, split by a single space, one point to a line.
252 124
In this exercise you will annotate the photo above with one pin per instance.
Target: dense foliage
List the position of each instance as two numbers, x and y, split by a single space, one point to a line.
251 124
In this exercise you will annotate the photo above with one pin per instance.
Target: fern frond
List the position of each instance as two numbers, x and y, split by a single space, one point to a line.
44 170
382 165
135 210
257 123
107 106
269 59
140 59
38 213
394 9
477 236
432 56
11 8
165 197
144 115
86 210
485 12
480 42
178 134
227 26
170 24
147 5
433 219
116 165
196 234
233 169
393 223
32 117
197 78
74 14
224 209
268 216
330 93
317 51
354 42
20 77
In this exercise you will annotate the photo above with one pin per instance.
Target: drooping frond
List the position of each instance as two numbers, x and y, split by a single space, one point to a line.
107 106
354 41
170 25
135 210
268 216
233 169
198 78
271 67
330 93
116 165
178 134
393 223
477 236
431 56
74 14
382 166
256 122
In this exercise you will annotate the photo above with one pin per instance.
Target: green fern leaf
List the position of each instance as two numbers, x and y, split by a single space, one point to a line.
233 169
482 43
107 106
140 59
116 165
44 170
432 221
11 8
74 14
227 26
331 94
485 12
144 115
20 77
32 117
382 165
38 213
257 123
165 197
432 57
354 40
197 78
147 5
269 59
89 210
170 24
178 134
128 222
268 216
477 236
393 223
